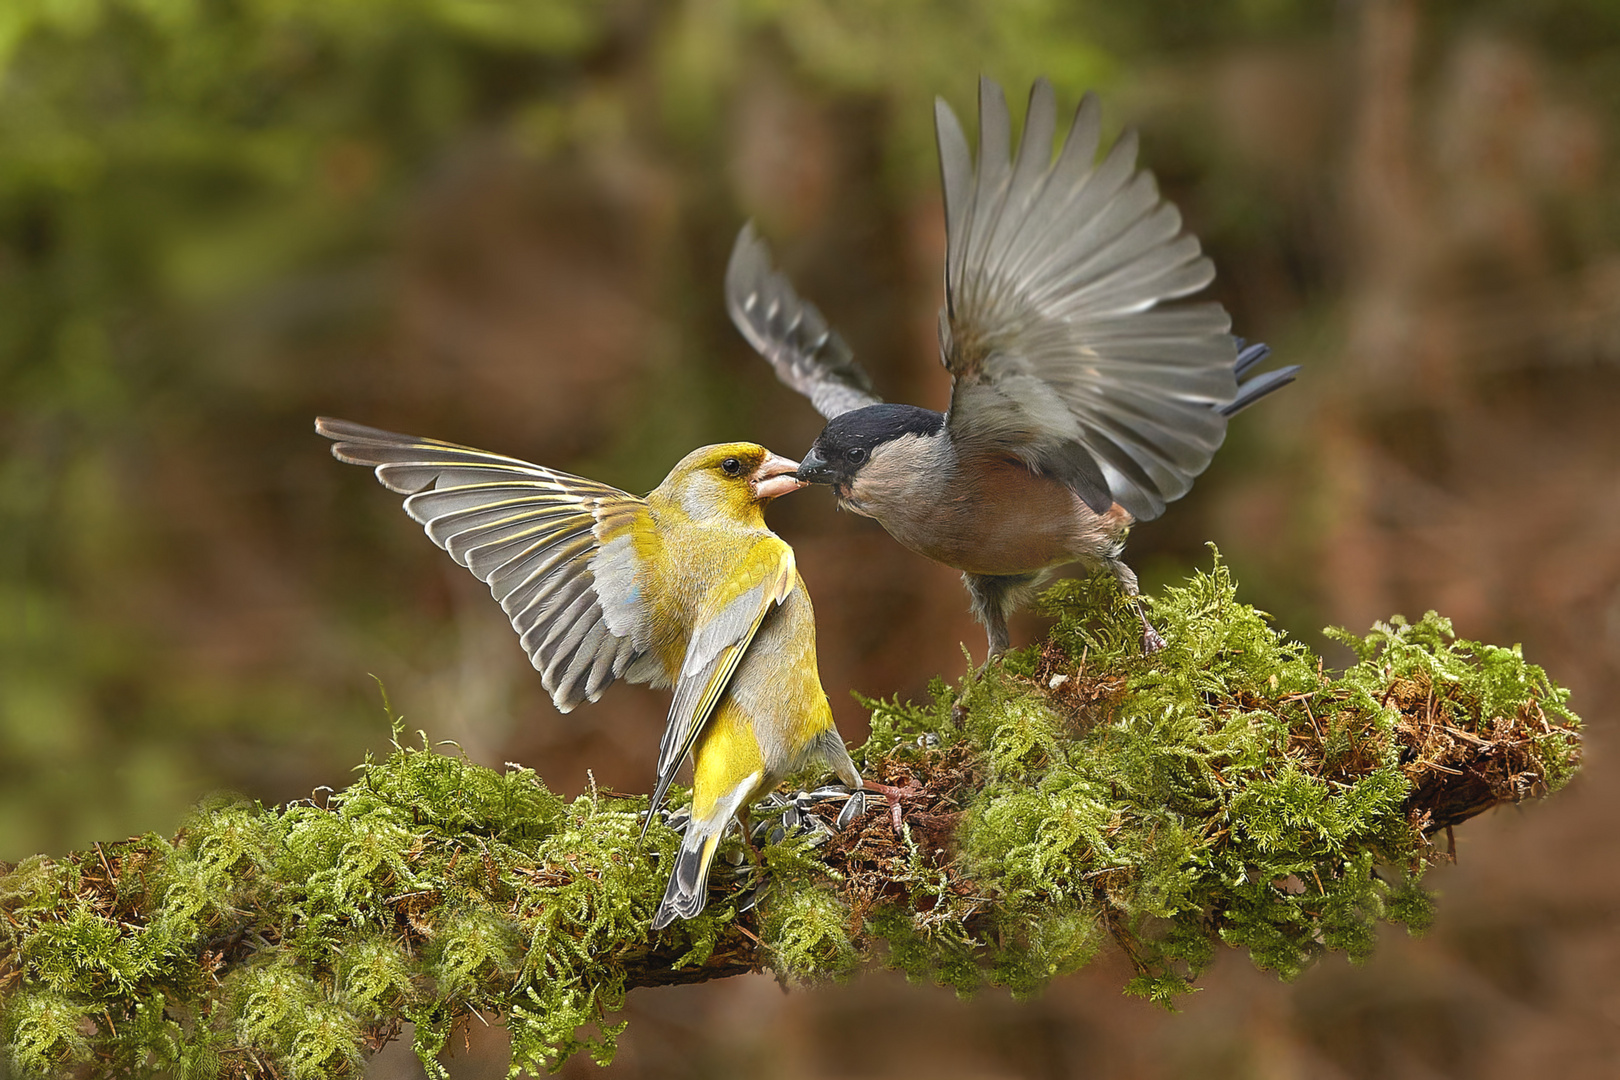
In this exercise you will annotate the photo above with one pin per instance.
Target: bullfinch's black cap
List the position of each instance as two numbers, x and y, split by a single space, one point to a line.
846 443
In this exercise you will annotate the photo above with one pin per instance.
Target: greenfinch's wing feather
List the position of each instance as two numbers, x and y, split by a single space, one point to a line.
1055 326
554 549
732 616
806 353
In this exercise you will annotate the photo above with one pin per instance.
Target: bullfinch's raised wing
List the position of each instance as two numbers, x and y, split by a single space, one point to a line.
807 354
554 549
1053 327
732 615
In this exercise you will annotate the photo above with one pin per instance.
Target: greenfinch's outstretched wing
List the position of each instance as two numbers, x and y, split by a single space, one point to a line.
554 549
789 332
735 609
1053 326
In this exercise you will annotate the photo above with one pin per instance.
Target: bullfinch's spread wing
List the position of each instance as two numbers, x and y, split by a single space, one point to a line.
1052 326
552 547
732 615
807 354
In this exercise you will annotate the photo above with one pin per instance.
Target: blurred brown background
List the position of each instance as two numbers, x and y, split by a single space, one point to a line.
506 224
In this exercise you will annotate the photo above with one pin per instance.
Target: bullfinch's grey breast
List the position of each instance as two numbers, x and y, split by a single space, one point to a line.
983 513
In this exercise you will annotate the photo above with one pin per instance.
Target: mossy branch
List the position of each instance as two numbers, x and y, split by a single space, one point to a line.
1224 791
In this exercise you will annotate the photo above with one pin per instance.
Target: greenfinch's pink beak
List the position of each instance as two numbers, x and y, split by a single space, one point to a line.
775 477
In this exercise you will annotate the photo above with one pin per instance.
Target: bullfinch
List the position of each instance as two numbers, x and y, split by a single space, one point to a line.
686 588
1080 402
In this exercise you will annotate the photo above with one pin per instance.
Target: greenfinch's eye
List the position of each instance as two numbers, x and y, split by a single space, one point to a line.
731 466
856 456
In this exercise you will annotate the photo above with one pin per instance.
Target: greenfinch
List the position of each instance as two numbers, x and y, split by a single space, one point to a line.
686 588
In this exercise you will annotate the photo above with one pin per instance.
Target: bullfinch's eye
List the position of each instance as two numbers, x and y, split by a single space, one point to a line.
855 456
731 466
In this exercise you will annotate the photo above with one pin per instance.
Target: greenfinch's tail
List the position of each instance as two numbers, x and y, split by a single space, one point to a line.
688 889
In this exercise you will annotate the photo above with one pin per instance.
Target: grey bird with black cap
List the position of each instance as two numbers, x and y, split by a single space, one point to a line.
1082 402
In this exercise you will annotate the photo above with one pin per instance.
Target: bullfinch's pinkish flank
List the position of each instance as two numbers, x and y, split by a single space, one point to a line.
1081 403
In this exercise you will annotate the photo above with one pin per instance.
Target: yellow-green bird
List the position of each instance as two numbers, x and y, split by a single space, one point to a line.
685 588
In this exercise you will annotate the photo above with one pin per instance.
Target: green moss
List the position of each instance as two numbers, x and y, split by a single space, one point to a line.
808 933
429 888
1223 792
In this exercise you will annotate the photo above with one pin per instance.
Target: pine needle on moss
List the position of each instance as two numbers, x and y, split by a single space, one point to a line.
1225 791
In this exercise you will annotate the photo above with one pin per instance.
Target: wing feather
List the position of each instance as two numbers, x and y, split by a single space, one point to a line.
533 535
1054 326
991 176
806 353
956 180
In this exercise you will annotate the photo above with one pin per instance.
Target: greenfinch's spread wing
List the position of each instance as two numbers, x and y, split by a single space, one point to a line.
1054 329
731 617
555 550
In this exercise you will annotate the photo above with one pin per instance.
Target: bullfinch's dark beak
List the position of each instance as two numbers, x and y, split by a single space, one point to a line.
775 476
815 470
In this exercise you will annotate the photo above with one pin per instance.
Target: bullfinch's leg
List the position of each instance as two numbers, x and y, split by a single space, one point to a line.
994 598
1151 641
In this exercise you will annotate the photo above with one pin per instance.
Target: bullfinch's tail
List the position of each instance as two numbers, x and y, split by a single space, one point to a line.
1248 358
688 889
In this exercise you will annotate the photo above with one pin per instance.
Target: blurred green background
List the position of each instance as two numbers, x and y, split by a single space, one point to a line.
505 224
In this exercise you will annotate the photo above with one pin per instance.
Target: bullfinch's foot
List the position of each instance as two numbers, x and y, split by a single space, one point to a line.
1151 641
